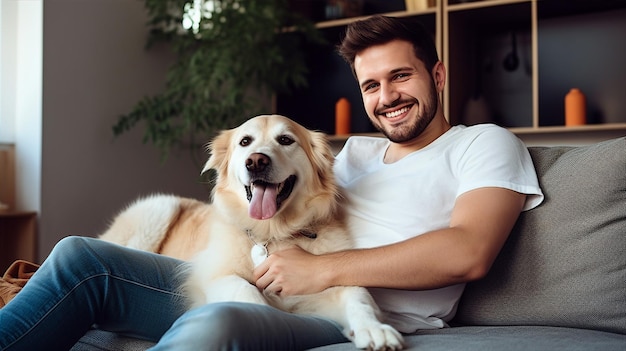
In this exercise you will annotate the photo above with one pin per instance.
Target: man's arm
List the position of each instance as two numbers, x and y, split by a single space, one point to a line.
481 221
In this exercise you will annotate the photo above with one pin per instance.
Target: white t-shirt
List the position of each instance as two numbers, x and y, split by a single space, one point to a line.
415 195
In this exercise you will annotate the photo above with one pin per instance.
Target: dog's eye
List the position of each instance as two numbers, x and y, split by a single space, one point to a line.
285 140
245 141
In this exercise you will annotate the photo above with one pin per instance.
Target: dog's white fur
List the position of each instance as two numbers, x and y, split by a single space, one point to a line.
226 230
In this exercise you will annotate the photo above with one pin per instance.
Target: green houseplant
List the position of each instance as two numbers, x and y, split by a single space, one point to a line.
231 56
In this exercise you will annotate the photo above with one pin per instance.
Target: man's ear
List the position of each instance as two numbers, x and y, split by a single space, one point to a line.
439 76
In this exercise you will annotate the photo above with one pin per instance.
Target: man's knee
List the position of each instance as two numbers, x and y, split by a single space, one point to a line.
79 243
69 247
215 326
229 319
78 252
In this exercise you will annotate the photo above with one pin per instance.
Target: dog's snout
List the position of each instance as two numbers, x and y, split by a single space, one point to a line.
257 162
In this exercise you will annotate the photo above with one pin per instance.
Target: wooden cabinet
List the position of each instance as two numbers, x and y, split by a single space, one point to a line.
18 238
18 229
520 57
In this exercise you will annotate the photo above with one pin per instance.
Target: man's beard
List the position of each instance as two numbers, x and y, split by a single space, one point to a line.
404 133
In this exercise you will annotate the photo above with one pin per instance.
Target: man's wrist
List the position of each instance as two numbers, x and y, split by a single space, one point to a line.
333 267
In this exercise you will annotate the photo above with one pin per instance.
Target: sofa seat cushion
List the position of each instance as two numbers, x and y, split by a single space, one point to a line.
458 338
564 263
522 338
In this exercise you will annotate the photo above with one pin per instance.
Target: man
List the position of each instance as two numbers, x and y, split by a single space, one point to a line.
431 206
436 203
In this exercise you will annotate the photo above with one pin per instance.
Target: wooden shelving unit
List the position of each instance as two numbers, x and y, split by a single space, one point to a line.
472 37
532 103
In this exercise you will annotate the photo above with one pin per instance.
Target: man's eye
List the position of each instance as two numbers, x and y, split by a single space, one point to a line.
285 140
370 86
245 141
401 76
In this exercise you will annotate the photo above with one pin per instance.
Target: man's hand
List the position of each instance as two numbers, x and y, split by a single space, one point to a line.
291 272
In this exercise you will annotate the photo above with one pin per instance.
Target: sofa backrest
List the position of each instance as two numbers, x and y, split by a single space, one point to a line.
564 263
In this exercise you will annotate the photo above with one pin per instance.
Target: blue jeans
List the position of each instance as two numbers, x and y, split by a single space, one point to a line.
86 281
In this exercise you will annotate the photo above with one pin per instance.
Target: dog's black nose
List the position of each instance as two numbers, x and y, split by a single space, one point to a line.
257 162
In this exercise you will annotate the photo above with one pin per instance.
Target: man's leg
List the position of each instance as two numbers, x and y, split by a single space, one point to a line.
86 281
235 326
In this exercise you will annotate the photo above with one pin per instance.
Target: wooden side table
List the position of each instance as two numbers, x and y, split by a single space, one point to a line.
18 237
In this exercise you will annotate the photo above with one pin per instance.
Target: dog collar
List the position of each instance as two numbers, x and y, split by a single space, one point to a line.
305 234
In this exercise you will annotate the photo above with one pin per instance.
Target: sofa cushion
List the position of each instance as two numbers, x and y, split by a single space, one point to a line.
524 338
564 263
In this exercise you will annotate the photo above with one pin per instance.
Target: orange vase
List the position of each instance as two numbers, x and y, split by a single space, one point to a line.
575 107
342 116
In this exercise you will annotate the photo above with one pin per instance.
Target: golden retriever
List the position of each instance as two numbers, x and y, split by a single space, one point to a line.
274 189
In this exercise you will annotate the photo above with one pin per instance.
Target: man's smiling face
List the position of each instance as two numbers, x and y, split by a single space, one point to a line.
399 94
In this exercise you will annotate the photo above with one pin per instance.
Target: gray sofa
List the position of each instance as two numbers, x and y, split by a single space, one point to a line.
559 282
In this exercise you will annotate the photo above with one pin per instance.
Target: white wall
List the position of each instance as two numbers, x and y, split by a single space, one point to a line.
28 99
20 94
8 58
95 68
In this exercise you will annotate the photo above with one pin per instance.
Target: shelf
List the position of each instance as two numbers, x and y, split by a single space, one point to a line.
16 214
560 8
345 21
482 4
573 129
335 137
609 127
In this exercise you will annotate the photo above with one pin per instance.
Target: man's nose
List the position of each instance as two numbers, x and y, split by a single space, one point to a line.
388 94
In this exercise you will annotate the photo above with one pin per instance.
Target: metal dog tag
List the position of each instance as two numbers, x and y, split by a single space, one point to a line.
258 253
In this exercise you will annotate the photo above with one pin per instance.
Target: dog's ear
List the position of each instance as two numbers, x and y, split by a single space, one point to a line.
322 157
219 150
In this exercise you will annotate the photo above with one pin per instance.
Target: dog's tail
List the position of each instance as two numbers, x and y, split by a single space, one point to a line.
144 223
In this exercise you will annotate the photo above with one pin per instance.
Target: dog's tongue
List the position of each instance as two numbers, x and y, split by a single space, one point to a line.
263 203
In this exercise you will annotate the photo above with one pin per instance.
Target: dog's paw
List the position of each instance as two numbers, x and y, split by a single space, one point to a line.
378 337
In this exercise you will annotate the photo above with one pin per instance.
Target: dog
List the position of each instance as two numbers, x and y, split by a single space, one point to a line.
274 189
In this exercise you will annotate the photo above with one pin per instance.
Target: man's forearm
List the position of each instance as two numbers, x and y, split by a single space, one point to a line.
429 261
480 224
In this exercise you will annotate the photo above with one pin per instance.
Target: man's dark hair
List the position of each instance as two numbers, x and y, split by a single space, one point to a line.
378 30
